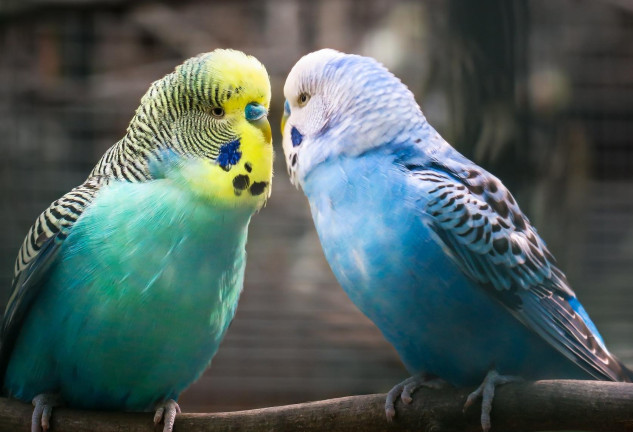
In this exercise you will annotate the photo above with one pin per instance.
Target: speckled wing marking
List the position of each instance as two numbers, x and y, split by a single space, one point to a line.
480 224
120 162
56 221
37 254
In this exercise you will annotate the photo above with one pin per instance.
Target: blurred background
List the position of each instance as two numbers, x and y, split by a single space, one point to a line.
538 92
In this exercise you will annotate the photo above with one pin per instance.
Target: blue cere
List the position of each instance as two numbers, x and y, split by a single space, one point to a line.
255 111
230 154
296 137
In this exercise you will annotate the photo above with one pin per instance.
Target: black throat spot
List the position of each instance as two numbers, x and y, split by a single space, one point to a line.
241 182
258 188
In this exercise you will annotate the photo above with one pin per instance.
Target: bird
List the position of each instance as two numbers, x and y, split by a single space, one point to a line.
125 286
427 244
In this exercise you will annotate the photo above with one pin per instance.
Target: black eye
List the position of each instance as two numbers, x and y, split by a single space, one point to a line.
217 112
303 99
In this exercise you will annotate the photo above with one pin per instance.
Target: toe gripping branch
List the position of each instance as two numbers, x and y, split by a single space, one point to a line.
167 412
44 404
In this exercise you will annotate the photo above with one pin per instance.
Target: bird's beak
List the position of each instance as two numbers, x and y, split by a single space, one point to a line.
284 118
256 114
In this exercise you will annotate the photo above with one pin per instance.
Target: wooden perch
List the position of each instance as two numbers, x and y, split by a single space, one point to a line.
529 406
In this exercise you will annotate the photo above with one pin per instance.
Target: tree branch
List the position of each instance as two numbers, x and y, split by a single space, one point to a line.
529 406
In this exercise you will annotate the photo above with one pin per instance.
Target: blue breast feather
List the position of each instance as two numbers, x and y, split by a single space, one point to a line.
424 285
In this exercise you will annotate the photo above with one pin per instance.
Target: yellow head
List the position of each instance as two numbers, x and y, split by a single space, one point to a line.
212 112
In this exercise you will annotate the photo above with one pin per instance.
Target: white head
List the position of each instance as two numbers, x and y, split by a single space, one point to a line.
338 104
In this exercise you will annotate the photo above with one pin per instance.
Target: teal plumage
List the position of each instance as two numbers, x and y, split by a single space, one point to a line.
126 285
123 300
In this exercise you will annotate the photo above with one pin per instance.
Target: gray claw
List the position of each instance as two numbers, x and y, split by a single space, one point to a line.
486 391
167 412
406 388
44 404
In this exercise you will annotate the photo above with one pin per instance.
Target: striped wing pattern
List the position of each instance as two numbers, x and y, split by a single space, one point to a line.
480 224
37 254
118 163
44 238
56 221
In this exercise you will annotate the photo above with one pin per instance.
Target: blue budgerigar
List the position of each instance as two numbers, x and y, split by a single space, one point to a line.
430 246
125 286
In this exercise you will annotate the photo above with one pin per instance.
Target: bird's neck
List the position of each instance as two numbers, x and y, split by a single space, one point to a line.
146 136
334 178
129 158
415 139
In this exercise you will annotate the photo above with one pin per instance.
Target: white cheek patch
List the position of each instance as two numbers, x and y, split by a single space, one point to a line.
314 117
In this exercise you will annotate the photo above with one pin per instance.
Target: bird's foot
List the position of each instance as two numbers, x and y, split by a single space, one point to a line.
167 411
44 404
405 389
486 391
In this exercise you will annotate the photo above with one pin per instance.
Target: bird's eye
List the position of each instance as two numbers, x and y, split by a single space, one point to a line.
217 112
303 99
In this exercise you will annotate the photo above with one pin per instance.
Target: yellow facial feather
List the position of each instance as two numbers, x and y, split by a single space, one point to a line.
246 183
235 69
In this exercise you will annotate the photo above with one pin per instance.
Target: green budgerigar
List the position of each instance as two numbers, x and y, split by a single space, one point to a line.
125 286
